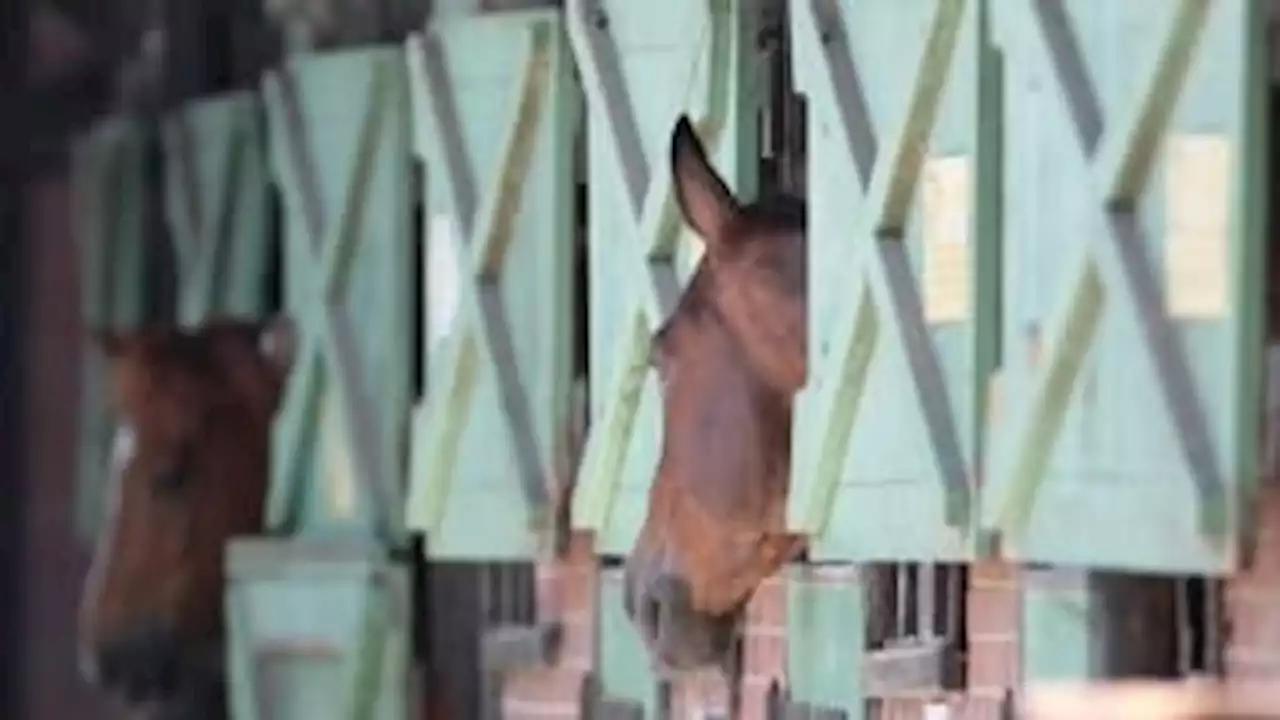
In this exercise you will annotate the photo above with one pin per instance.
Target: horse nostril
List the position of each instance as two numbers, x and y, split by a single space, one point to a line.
113 665
141 664
652 614
671 591
666 601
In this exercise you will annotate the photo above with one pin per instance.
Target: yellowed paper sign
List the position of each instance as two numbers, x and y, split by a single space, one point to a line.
995 398
1197 225
335 454
946 210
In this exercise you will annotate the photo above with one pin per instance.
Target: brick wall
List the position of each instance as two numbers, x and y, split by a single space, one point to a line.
764 661
566 592
1253 602
764 647
567 589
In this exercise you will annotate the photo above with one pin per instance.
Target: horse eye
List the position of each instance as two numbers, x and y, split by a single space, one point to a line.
172 476
169 480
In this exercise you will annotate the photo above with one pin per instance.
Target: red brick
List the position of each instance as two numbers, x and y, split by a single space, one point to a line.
543 686
765 655
768 606
578 590
697 694
1266 565
993 611
577 650
994 606
566 593
1256 623
993 664
755 700
581 549
1253 601
517 712
993 574
981 706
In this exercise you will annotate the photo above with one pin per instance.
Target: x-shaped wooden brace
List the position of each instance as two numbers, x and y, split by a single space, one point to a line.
329 341
1114 267
200 232
885 285
651 244
484 330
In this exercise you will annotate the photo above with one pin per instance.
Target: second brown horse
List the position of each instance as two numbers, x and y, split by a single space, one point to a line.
730 359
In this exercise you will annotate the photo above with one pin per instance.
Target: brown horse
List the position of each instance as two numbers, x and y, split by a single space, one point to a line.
730 359
189 470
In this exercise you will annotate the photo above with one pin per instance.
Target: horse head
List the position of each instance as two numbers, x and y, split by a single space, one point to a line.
189 470
730 359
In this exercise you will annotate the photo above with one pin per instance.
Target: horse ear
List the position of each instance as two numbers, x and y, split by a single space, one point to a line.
277 341
705 201
111 343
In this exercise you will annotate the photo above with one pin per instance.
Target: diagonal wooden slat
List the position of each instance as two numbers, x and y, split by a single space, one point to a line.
605 86
188 210
200 231
649 244
1113 268
842 87
328 346
484 331
889 292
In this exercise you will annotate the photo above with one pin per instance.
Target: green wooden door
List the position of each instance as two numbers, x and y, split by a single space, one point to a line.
215 199
317 629
642 64
109 196
495 110
902 272
1134 204
319 618
338 125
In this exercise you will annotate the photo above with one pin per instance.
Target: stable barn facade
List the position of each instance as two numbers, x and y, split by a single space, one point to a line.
1035 444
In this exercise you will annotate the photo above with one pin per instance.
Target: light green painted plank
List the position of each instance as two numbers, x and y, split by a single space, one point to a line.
316 631
826 621
1096 443
109 196
654 60
341 437
216 206
902 188
495 112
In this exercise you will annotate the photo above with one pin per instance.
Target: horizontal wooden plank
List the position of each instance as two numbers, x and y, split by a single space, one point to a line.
249 557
